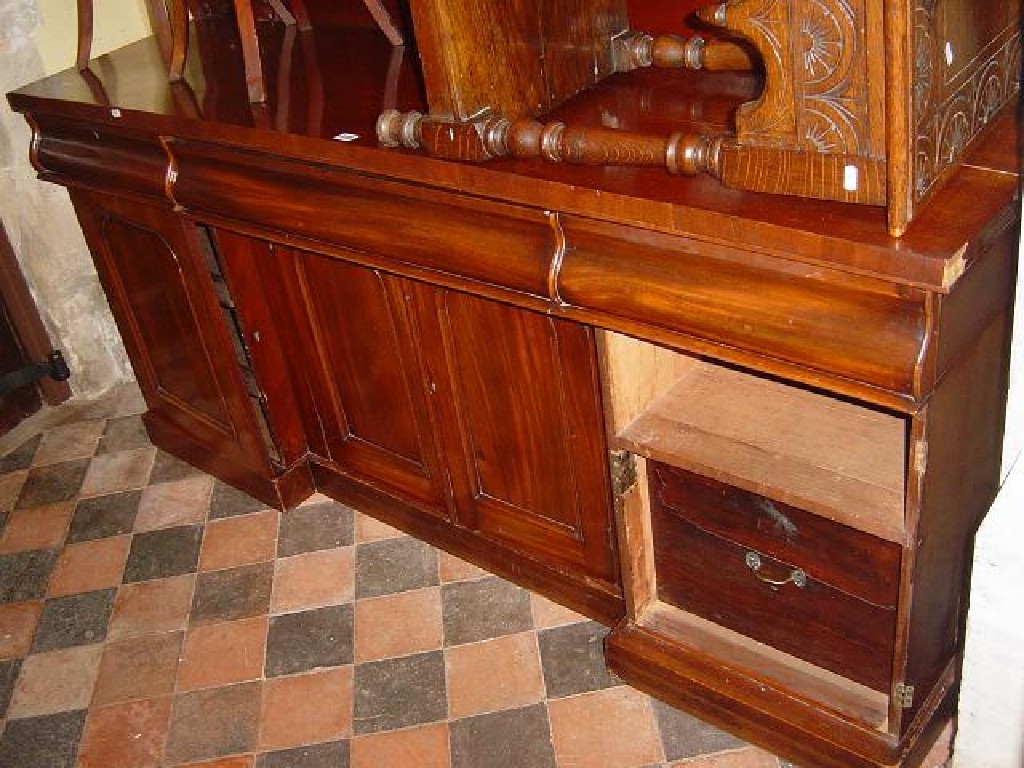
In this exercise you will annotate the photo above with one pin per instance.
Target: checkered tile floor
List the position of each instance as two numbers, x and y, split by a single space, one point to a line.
152 616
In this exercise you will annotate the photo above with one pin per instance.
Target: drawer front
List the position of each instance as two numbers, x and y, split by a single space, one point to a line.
830 322
488 242
765 599
852 561
69 152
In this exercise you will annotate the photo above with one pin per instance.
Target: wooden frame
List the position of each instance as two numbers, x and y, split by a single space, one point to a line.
25 318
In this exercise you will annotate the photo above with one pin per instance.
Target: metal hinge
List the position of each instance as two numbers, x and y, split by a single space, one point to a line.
54 367
920 456
623 471
905 695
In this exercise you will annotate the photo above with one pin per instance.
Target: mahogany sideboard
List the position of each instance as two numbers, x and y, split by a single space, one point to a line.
753 434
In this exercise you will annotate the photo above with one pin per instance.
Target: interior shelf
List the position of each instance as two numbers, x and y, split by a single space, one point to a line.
747 657
843 461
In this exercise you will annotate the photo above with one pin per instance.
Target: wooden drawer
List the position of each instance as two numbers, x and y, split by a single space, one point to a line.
820 319
394 226
98 156
719 549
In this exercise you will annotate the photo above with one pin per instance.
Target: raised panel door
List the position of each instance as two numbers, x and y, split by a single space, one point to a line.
365 378
152 268
520 411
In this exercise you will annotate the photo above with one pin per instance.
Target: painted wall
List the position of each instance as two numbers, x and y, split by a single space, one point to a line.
37 38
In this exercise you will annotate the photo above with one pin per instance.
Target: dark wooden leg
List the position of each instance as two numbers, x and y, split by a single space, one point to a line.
179 39
383 18
161 22
84 34
250 51
301 15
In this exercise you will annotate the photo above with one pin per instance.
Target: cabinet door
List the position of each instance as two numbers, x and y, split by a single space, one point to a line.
153 271
365 378
520 409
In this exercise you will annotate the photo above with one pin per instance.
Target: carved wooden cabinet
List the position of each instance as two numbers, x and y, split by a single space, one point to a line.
867 101
753 435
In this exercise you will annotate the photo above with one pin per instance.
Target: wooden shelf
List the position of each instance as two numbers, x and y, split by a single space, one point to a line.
837 459
735 652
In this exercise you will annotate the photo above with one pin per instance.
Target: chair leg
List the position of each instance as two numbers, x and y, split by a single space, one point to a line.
161 23
301 14
383 18
179 39
250 51
84 34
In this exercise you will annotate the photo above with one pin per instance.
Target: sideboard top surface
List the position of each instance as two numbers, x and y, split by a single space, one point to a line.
327 88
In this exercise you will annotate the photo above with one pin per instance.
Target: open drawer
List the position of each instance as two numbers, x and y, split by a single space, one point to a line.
821 591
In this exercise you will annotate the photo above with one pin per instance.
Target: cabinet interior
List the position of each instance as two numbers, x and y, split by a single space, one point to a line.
841 460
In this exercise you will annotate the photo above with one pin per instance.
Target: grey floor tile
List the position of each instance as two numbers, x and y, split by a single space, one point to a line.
74 620
123 434
226 501
20 457
103 516
314 527
396 693
299 642
683 735
572 658
168 468
163 553
514 737
49 741
483 609
8 675
235 593
25 575
394 565
331 754
52 483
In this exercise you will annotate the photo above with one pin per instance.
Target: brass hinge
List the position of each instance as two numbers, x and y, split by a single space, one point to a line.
623 471
920 456
905 695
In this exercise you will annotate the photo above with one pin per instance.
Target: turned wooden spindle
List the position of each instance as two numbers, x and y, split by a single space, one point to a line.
673 51
713 14
681 153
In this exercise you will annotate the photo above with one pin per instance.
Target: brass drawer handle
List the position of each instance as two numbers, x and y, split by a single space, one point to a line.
797 576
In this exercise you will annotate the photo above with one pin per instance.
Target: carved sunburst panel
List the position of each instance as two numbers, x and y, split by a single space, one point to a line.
949 115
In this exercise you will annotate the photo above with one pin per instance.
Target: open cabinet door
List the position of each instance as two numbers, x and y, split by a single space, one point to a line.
23 341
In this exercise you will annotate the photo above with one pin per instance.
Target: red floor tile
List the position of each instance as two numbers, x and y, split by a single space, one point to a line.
220 654
89 566
241 540
128 735
306 709
611 728
398 625
423 747
36 528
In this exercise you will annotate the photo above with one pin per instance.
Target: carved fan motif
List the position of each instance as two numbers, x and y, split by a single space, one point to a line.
949 115
821 42
955 133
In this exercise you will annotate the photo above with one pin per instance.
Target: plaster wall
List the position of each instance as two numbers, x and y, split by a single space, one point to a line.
37 38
